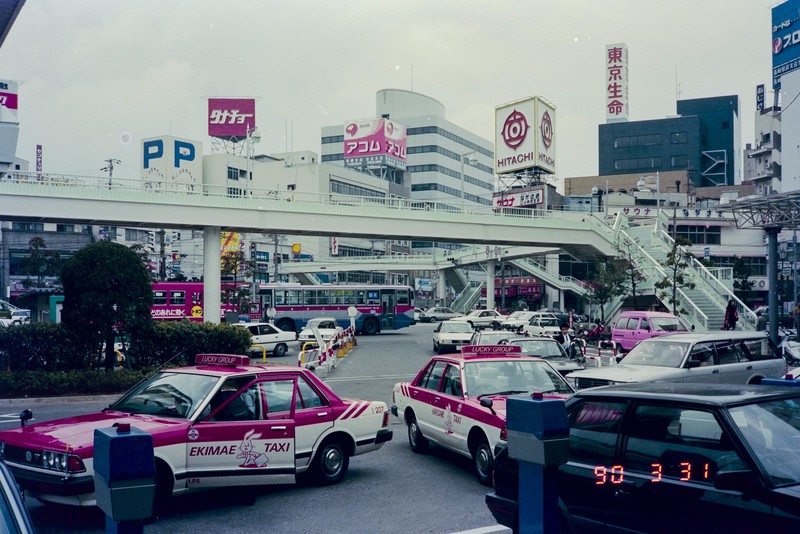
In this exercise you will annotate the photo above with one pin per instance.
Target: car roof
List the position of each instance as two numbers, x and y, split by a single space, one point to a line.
698 393
695 337
321 319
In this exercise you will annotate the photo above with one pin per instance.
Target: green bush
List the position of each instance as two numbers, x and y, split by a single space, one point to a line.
46 360
17 384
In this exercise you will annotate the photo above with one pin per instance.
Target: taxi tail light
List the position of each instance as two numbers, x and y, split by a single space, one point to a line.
75 464
385 420
504 433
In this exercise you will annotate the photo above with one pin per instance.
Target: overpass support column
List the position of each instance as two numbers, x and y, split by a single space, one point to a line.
211 274
490 285
772 278
441 289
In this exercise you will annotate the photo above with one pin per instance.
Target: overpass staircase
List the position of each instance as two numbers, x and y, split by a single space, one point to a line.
457 279
468 297
563 283
705 304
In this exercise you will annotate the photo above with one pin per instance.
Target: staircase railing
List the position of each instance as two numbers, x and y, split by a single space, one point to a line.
467 298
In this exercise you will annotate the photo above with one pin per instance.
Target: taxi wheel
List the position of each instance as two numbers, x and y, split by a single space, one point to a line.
415 438
330 464
484 462
280 350
165 480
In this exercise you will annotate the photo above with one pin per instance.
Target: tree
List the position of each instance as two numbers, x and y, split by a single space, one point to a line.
741 277
632 276
234 264
40 262
675 264
107 292
606 285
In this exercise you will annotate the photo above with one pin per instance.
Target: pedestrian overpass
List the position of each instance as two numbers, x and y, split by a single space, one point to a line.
38 197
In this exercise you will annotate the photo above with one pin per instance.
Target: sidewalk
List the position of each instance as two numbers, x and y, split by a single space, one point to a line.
28 402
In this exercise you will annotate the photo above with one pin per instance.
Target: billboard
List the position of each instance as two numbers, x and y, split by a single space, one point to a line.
9 103
230 118
172 163
527 198
525 136
616 70
785 40
375 143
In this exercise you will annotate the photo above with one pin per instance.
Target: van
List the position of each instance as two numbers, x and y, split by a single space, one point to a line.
634 326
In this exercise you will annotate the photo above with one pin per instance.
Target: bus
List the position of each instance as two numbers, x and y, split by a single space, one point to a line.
378 307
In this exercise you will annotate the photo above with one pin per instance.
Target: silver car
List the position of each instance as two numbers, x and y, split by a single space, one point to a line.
432 315
721 357
552 351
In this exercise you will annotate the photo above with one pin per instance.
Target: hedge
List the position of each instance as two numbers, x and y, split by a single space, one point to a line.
45 359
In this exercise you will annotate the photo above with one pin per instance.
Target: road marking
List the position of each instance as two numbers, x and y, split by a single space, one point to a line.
484 530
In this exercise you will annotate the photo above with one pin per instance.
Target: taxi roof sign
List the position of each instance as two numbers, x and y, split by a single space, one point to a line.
222 359
491 349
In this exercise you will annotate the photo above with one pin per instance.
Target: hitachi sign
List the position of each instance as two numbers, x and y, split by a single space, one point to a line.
519 158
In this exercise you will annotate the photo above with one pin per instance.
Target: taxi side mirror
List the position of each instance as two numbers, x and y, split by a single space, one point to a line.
739 480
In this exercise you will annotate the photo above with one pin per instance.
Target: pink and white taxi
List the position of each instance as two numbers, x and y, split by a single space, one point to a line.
221 422
459 401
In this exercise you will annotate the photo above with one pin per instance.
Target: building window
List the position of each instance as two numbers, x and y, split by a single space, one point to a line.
637 164
700 235
637 140
332 139
678 138
342 188
680 162
27 226
233 173
65 228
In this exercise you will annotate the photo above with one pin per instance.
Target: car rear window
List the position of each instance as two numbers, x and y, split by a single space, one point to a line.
594 426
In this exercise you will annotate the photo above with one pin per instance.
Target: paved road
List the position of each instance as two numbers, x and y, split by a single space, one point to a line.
389 491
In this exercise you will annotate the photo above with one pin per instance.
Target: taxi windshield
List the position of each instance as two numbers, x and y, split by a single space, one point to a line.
772 429
657 353
510 377
167 394
541 348
455 327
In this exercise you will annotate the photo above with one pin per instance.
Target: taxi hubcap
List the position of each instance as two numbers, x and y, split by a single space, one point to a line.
483 460
332 460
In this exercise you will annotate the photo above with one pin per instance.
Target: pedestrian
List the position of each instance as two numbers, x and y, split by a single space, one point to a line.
761 321
796 317
731 316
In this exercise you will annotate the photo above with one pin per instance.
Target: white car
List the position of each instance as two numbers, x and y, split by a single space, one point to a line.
543 324
726 357
451 336
514 321
438 313
327 327
273 339
481 318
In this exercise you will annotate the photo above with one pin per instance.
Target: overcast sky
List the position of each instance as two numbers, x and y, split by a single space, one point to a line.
100 75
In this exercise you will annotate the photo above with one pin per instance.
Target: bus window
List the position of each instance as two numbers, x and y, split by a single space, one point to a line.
280 297
350 297
402 296
337 296
361 297
159 298
323 297
373 297
310 298
294 297
177 297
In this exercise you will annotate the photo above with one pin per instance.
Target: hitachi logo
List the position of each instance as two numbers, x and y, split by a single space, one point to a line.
519 158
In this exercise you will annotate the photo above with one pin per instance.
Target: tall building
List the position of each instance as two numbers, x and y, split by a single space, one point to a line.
704 140
447 166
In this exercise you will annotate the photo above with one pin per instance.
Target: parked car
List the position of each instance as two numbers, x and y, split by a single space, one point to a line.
491 337
513 321
417 312
631 327
271 338
543 324
327 327
719 357
431 315
481 318
14 514
450 336
458 401
551 350
220 422
725 455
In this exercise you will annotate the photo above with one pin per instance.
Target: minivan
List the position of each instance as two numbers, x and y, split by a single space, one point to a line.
634 326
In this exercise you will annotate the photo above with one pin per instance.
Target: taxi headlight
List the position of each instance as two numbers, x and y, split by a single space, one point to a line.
54 460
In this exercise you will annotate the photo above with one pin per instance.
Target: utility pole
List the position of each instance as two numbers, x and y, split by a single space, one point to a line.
162 269
109 168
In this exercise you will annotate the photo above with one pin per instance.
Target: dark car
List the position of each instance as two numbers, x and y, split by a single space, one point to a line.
13 513
673 458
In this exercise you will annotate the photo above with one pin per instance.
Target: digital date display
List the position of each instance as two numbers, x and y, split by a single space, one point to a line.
683 471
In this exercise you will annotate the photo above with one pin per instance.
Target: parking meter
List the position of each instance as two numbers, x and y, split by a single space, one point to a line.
538 438
124 473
